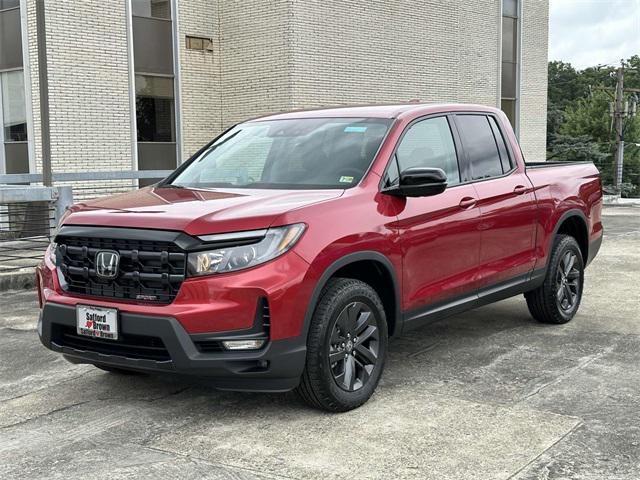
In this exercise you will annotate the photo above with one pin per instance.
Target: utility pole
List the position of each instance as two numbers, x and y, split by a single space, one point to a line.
43 78
618 115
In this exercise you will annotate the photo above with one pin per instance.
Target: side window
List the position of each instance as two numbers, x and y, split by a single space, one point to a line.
502 146
480 145
429 143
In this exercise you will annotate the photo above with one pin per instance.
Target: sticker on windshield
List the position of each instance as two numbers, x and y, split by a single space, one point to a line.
345 179
353 129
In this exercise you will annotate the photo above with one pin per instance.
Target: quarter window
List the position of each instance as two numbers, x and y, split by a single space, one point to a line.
502 146
480 145
429 144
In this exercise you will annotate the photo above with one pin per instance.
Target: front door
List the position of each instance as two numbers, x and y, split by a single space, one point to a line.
439 234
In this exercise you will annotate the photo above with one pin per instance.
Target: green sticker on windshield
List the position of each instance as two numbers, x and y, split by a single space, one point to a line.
355 129
345 179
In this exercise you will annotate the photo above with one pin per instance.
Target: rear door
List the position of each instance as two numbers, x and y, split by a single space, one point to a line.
439 234
505 197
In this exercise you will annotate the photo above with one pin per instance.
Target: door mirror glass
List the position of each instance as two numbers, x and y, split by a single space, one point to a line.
420 182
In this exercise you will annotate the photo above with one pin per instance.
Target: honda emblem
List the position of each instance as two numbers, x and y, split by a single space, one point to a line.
107 262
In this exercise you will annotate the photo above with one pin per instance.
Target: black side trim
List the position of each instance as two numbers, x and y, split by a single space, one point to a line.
566 215
491 294
343 262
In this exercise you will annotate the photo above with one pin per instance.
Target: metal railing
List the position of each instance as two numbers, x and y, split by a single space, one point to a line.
28 216
30 212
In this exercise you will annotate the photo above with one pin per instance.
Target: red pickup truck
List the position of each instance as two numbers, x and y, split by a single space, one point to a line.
286 253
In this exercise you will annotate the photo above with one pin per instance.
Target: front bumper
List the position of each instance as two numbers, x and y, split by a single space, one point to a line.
275 367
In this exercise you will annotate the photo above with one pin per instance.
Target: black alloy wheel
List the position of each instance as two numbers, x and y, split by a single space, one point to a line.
568 282
558 298
353 349
346 346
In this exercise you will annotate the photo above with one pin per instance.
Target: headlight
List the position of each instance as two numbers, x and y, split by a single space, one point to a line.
51 253
275 242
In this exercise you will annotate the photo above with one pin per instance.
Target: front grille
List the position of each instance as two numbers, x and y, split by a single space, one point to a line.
140 347
149 271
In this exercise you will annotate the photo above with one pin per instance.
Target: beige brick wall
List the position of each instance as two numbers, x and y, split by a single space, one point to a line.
533 78
88 85
199 76
354 51
256 50
279 55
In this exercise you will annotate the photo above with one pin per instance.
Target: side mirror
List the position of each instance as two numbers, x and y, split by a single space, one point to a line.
421 182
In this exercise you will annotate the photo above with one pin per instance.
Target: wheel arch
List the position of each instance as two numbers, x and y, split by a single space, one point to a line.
358 265
573 223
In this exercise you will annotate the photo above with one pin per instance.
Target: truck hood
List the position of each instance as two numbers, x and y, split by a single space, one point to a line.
196 212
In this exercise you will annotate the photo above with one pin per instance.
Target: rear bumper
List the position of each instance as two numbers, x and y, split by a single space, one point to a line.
594 248
275 367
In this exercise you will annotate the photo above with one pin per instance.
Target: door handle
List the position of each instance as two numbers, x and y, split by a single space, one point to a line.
519 189
467 202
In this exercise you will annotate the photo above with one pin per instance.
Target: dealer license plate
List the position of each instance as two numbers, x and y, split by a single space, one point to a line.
97 322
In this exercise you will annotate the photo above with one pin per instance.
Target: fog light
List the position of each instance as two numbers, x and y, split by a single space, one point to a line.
243 344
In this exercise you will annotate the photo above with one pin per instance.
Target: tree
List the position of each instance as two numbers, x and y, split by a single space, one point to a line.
579 125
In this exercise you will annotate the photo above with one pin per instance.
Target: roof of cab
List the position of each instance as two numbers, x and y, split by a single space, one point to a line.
378 111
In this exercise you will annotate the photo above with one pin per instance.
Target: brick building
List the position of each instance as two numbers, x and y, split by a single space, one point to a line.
143 84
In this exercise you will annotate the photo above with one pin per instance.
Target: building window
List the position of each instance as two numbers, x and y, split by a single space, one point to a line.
153 62
14 149
14 116
155 115
151 8
7 4
10 39
510 67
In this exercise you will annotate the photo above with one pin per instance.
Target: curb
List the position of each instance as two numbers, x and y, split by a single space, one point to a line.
613 200
18 280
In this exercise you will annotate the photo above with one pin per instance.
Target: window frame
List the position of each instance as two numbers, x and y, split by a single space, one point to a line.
512 160
456 142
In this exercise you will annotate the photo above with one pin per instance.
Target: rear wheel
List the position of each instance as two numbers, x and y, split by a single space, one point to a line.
346 347
558 298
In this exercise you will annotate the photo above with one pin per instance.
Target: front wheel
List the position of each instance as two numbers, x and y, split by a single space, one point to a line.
346 347
558 298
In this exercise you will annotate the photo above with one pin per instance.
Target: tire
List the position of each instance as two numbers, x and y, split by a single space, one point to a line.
350 327
117 370
557 300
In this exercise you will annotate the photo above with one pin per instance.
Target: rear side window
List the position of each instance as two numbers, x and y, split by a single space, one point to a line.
502 146
480 145
429 143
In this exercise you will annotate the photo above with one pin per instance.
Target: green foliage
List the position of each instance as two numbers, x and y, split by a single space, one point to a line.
579 126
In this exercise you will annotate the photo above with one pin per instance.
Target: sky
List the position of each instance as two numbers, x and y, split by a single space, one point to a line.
586 33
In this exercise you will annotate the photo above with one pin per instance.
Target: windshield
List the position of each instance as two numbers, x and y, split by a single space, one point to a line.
301 153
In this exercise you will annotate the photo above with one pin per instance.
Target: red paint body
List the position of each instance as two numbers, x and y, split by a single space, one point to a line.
439 250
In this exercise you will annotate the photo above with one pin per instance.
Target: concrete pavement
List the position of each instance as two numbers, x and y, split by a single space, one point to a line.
487 394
